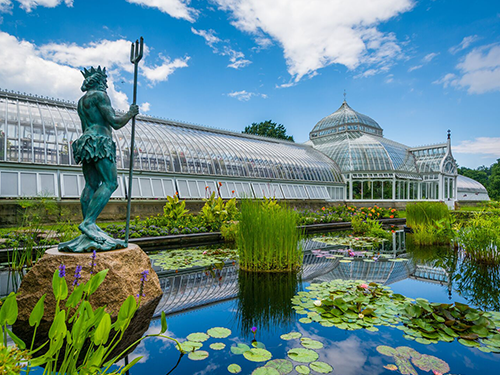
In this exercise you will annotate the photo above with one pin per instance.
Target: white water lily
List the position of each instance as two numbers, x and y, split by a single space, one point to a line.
317 303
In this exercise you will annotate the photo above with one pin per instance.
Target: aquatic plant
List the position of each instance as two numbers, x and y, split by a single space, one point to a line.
426 213
402 356
352 241
431 222
268 239
86 347
368 227
186 258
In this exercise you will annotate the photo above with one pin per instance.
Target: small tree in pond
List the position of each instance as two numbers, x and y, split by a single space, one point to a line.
268 129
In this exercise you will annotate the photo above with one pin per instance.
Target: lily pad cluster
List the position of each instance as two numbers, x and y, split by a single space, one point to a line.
428 323
349 305
187 258
352 242
405 358
195 340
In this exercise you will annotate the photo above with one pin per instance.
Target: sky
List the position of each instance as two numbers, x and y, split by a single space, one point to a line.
418 68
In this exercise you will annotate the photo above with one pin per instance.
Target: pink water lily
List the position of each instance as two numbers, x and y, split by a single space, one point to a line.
436 372
364 286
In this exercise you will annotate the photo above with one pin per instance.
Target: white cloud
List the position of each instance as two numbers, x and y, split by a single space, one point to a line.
54 69
145 107
412 68
465 43
244 96
29 5
481 145
161 72
479 71
236 58
174 8
318 33
429 57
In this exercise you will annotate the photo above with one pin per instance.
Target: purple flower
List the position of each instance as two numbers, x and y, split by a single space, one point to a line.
92 263
62 270
77 275
144 275
254 329
144 278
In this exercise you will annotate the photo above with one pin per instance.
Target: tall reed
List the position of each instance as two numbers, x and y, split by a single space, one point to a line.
268 238
426 213
431 223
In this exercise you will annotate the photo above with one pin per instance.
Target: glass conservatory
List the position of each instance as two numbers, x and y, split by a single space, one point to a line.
36 135
470 190
377 168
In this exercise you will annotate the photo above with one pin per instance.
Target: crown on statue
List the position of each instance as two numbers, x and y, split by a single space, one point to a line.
88 73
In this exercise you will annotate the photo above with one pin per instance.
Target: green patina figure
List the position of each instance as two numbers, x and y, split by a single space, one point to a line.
96 151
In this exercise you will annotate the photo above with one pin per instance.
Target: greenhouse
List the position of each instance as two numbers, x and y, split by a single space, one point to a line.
35 158
377 168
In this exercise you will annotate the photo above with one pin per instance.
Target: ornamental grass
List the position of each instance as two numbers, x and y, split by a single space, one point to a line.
268 238
431 223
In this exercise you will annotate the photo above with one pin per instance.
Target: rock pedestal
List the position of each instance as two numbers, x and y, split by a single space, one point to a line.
123 279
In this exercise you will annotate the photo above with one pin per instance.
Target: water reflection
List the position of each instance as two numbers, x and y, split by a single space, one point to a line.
265 300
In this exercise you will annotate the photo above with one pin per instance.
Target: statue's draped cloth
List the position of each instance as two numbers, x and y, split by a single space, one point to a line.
93 147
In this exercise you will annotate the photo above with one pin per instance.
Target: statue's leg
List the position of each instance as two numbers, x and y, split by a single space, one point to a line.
108 177
92 181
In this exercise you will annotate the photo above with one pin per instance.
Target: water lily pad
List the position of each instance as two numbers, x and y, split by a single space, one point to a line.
302 355
189 346
391 367
219 332
305 320
258 344
345 261
217 346
421 340
311 344
301 369
265 371
291 336
198 355
321 367
198 337
233 368
430 363
386 350
257 355
283 366
469 343
239 348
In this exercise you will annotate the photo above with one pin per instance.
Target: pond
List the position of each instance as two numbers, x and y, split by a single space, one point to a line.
196 300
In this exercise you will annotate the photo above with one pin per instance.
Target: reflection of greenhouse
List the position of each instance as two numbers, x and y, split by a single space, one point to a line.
36 135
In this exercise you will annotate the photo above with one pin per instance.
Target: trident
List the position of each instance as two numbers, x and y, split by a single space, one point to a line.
135 56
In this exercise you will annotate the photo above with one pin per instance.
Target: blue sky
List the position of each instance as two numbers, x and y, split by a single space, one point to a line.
417 67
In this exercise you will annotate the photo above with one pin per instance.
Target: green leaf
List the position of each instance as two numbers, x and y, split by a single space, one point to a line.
233 368
37 312
386 350
257 355
96 280
75 297
102 332
265 371
301 369
219 332
129 366
311 344
198 337
321 367
291 336
163 322
59 286
8 312
239 348
127 311
20 343
58 326
198 355
190 346
283 366
302 355
217 346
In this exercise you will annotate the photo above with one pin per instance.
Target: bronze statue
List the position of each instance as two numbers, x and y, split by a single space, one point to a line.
96 151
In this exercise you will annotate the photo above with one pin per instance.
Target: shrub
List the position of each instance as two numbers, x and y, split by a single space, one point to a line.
268 239
215 212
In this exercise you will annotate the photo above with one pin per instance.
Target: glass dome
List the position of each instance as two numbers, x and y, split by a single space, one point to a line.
466 184
360 152
345 119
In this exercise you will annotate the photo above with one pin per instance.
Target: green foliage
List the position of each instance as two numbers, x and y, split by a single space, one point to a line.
216 212
85 348
431 222
11 359
480 238
229 231
187 258
268 129
174 209
488 176
268 238
368 228
402 355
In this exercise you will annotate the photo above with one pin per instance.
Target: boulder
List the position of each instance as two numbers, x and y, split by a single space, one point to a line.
123 279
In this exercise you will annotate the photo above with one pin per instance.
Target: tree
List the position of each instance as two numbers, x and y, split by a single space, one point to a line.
268 129
494 181
488 176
